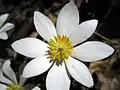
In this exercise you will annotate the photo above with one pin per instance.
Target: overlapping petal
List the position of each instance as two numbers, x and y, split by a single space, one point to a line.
3 87
57 78
79 72
22 80
8 71
82 32
3 18
3 35
68 17
7 27
44 26
92 51
4 79
30 47
36 66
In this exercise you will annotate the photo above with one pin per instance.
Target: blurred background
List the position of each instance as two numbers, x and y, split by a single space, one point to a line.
106 73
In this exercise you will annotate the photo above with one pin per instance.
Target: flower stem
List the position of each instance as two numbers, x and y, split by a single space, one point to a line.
103 37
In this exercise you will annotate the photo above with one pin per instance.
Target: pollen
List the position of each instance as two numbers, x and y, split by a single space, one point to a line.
60 48
14 87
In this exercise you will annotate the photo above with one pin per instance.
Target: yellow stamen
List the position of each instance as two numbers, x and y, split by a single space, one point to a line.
14 87
60 48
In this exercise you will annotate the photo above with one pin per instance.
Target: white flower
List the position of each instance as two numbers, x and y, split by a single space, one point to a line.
4 28
61 51
11 82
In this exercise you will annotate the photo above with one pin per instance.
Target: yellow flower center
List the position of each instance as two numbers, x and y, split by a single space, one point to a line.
60 48
14 87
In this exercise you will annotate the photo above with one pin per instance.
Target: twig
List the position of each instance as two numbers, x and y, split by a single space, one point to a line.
103 37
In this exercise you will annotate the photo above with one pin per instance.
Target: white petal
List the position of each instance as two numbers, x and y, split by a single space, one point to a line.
92 51
30 47
3 35
9 71
3 18
68 17
36 88
22 80
44 26
7 27
4 79
3 87
79 72
36 67
83 31
57 78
